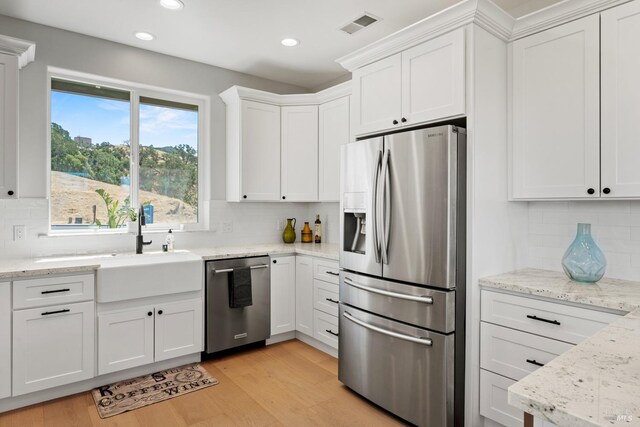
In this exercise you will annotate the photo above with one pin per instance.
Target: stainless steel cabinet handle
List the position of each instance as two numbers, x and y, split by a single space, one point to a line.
385 205
374 213
229 270
423 299
423 341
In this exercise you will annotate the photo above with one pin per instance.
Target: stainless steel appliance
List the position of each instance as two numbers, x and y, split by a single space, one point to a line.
232 327
402 279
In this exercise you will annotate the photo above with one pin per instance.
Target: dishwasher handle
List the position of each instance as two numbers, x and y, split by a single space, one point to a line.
230 270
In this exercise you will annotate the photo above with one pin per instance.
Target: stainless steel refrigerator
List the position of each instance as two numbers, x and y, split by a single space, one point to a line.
402 279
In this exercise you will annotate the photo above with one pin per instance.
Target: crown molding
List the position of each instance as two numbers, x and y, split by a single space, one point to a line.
482 12
23 49
558 14
235 92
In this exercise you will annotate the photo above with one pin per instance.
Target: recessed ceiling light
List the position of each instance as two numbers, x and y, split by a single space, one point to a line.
171 4
142 35
290 42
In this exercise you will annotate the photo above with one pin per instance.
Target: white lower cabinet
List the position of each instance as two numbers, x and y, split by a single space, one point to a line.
52 346
283 294
325 328
304 295
518 335
125 339
5 340
179 329
147 334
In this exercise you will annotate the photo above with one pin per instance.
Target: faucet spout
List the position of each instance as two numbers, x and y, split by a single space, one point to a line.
140 243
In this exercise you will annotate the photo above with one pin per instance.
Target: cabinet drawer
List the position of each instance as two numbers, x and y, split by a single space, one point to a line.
326 270
325 328
494 400
326 297
557 321
515 354
52 290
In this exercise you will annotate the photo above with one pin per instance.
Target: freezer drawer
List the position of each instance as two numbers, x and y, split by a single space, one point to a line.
423 307
406 370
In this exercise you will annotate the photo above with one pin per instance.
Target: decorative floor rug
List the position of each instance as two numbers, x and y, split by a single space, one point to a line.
132 394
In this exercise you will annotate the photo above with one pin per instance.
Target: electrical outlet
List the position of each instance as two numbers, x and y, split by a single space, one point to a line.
227 226
19 232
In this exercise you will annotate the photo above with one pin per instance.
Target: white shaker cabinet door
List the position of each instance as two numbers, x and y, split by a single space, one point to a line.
377 92
53 346
556 112
304 295
260 151
179 329
283 294
5 340
8 126
620 81
125 339
334 131
299 167
433 79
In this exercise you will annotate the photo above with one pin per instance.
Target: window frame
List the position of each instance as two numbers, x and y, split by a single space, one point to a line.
136 91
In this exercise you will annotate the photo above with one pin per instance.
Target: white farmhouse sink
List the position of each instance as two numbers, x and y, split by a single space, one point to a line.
129 276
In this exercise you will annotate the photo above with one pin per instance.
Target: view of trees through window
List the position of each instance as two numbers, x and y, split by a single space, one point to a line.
91 157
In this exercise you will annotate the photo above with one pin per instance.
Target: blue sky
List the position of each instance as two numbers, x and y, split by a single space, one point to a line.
109 120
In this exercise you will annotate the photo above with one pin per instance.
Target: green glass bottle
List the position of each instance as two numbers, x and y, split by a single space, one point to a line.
289 233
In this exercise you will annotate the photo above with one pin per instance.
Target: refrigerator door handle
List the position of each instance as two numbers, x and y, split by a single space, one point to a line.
374 194
385 184
423 341
416 298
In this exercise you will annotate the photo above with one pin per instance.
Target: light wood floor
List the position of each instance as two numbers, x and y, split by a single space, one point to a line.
286 384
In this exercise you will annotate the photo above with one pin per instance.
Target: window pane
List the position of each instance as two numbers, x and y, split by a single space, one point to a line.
169 161
90 151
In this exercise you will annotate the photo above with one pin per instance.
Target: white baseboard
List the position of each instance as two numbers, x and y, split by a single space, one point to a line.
11 403
281 337
317 344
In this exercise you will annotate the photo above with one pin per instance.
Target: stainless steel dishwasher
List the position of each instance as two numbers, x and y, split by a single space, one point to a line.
232 327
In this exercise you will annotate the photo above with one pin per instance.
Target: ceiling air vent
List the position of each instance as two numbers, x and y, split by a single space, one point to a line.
359 23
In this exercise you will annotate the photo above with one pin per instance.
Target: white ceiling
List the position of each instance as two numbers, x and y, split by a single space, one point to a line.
243 35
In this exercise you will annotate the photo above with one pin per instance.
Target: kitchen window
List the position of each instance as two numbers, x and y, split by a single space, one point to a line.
115 147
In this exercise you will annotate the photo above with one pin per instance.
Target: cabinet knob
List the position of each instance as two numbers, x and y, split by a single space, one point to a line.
606 190
159 311
283 197
275 261
403 120
591 191
395 122
10 192
150 313
244 197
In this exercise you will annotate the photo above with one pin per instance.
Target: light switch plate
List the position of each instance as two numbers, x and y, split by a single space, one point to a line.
227 226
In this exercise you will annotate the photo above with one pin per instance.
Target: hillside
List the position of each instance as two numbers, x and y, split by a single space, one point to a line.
73 196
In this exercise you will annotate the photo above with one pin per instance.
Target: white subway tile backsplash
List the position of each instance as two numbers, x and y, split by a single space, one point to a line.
615 227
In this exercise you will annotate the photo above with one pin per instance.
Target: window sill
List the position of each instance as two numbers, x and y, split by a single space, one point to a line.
120 232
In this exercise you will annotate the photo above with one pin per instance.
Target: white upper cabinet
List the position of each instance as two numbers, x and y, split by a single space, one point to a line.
620 80
299 153
556 115
421 84
260 151
285 147
8 126
433 79
377 96
334 131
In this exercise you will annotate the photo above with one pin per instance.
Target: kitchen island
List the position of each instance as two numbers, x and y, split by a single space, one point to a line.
597 382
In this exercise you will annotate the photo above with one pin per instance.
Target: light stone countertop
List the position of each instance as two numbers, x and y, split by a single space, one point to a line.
597 382
24 268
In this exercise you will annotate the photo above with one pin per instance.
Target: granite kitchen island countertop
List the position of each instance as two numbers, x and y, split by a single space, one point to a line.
597 382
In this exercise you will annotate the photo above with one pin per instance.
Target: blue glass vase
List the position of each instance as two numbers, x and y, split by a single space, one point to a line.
584 261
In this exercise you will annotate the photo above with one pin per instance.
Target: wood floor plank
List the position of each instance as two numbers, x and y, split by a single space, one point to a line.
285 384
